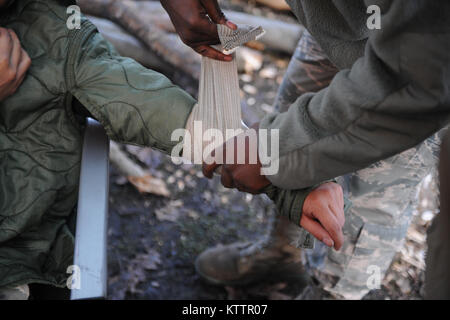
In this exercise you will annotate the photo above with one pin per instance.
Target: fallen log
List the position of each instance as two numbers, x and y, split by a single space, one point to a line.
138 177
126 14
275 4
129 46
280 35
248 60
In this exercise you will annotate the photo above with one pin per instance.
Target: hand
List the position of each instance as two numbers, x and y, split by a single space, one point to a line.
14 63
245 177
323 214
190 18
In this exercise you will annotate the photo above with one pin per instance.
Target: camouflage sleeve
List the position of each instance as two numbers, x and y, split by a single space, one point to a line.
135 105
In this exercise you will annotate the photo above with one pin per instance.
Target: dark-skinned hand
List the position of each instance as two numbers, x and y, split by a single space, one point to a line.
323 208
196 23
245 177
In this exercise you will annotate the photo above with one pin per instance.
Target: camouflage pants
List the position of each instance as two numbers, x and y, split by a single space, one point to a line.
16 293
382 195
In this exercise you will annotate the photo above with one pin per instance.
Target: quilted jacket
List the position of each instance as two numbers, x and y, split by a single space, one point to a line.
40 136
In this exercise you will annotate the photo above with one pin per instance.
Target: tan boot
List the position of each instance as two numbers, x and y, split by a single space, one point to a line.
242 263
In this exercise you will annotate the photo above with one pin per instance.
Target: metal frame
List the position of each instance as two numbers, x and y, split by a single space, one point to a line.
91 228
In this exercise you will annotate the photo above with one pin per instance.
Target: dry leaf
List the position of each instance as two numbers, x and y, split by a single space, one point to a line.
150 184
138 267
143 154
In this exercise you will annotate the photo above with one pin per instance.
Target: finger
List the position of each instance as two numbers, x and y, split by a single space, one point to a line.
340 195
216 14
240 180
316 230
5 43
214 11
208 169
330 223
210 166
24 65
231 25
212 53
226 178
243 188
16 51
338 212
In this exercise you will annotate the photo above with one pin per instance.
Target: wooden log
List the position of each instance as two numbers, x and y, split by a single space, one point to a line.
248 60
280 35
128 46
275 4
138 177
126 14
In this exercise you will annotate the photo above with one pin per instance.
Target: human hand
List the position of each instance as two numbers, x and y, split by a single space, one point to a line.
196 23
14 63
244 170
323 214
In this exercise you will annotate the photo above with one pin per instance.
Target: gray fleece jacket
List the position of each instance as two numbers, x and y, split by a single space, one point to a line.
393 90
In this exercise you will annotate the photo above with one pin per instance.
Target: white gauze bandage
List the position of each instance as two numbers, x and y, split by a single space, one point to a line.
219 106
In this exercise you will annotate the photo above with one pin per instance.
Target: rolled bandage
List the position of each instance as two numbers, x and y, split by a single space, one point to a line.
219 105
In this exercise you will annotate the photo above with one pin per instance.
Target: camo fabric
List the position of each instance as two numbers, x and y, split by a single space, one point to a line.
382 195
15 293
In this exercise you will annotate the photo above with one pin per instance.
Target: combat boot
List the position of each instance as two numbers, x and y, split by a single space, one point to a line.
270 258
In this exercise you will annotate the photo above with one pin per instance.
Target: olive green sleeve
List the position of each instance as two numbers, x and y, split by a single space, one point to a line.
289 203
135 105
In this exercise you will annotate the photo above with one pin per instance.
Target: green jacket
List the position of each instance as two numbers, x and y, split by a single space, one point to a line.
40 136
393 90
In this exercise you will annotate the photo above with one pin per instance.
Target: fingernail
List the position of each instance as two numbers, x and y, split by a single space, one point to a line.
231 25
328 242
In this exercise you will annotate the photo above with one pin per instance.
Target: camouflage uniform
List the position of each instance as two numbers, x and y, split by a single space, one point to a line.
382 194
15 293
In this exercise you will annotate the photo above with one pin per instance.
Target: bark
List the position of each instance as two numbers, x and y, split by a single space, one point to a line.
275 4
280 35
165 45
137 176
129 46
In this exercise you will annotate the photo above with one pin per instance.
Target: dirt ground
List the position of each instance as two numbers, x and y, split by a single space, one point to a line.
153 241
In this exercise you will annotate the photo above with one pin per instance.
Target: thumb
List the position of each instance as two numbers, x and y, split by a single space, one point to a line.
216 14
316 230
